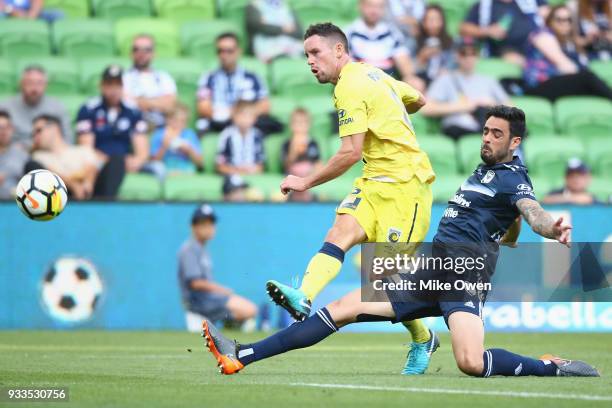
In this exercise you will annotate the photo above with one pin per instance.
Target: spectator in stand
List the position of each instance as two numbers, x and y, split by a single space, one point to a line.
175 145
504 26
376 42
152 90
12 158
462 97
199 292
560 69
405 15
577 180
593 25
28 9
434 54
32 102
219 90
300 148
274 30
241 149
76 165
117 132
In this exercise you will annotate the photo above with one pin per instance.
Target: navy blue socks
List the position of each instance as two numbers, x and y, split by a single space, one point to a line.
503 362
298 335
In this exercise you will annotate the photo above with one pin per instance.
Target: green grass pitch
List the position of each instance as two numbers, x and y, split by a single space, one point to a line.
151 369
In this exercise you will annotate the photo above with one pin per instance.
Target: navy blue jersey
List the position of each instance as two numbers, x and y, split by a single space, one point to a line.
113 129
484 207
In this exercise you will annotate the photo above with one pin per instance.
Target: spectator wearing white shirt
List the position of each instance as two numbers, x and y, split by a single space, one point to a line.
153 91
378 43
406 15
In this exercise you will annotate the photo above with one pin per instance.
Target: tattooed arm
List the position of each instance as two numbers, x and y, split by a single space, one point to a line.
542 223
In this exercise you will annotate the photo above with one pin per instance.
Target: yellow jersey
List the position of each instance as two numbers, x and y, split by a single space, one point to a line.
372 102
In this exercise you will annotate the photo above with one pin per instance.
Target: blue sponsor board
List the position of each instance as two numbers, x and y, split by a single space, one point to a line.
134 246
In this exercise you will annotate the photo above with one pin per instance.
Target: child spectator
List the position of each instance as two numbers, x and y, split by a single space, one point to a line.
176 145
300 148
575 189
241 148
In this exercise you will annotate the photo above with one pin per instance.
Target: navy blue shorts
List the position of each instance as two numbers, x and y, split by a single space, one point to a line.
405 311
212 306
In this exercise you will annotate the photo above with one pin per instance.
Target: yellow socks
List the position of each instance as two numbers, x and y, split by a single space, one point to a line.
418 330
322 269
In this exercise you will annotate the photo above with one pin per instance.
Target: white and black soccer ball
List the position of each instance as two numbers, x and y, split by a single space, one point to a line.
71 289
41 195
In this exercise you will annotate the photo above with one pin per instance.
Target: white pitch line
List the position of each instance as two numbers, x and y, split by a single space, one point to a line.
517 394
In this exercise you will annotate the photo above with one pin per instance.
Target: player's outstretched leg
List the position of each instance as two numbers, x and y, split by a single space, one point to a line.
419 355
467 335
232 356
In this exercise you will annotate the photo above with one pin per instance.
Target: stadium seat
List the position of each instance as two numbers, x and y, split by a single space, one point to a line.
599 151
601 187
116 9
71 8
498 68
233 10
184 10
468 149
24 38
538 113
292 77
316 11
210 144
603 69
256 66
420 124
84 38
335 190
584 115
444 188
350 9
62 73
542 186
547 157
322 110
272 147
268 184
91 72
442 154
8 82
140 187
281 108
73 103
455 12
164 32
186 72
194 187
198 37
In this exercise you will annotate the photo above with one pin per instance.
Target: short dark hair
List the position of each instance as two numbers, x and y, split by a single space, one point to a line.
48 118
327 30
227 34
5 114
514 116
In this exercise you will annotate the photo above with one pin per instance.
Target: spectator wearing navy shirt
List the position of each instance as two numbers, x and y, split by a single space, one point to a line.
241 148
117 132
504 26
219 90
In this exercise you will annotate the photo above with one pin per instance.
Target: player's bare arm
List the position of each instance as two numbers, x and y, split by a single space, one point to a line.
349 153
511 236
416 106
542 223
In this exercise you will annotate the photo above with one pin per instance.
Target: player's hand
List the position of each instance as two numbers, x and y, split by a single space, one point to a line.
496 32
293 183
562 232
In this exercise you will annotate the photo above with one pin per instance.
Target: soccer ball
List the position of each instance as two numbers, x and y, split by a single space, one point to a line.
41 195
71 289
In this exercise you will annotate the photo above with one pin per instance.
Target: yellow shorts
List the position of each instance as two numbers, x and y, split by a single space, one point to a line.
390 212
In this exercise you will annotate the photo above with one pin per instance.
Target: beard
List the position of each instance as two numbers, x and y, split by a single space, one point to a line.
489 157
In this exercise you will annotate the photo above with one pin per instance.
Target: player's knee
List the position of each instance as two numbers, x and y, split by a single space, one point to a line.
470 363
250 310
340 311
